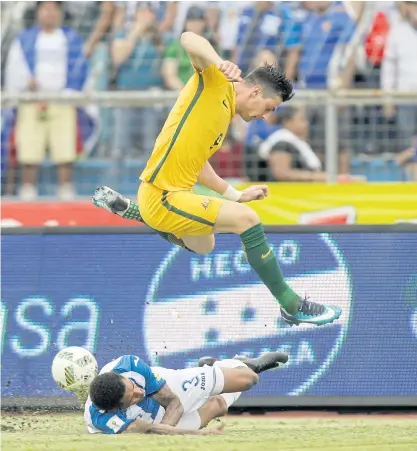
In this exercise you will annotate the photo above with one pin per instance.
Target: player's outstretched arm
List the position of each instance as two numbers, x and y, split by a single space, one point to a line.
202 55
142 427
171 403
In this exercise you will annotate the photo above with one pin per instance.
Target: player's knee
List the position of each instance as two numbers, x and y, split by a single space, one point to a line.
246 219
251 379
205 247
200 245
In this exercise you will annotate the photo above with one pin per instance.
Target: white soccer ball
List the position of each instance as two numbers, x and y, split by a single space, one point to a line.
74 368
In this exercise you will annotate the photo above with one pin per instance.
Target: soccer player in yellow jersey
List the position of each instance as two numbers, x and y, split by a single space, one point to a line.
193 132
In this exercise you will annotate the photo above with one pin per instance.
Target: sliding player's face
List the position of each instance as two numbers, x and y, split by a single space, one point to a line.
133 394
254 104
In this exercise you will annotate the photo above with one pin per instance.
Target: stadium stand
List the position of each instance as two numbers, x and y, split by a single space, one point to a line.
354 65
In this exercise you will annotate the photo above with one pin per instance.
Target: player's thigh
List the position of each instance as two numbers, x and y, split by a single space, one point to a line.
234 217
194 215
199 244
194 386
30 135
238 379
181 213
190 421
62 131
215 407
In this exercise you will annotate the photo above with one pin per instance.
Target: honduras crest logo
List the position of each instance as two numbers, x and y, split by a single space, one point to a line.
199 305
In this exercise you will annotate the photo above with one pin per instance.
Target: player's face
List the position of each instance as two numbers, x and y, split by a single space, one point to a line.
252 104
133 394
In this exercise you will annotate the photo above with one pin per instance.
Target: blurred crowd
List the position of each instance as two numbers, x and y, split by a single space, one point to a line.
134 45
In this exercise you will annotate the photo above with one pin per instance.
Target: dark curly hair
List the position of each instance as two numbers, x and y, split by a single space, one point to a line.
107 391
273 80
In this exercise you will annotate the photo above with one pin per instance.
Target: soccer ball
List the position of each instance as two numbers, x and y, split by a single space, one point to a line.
74 368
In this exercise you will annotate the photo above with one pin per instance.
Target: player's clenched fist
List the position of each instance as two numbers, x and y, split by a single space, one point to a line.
254 192
231 71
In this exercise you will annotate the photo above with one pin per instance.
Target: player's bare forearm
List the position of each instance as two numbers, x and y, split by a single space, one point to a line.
142 427
200 51
172 405
173 413
211 180
164 429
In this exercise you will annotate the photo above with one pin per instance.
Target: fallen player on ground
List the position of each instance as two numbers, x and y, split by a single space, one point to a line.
129 396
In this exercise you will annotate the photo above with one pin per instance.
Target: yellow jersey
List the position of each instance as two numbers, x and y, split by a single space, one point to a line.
193 132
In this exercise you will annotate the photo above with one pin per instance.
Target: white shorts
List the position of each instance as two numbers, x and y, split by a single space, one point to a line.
193 386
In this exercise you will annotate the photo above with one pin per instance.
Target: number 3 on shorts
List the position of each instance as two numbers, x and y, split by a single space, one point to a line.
185 385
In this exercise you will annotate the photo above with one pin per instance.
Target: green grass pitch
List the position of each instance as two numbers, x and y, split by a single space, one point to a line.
66 432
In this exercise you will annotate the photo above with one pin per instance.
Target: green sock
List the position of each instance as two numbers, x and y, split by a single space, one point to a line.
132 212
262 260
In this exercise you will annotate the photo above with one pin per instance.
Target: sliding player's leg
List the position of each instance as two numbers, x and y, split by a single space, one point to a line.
238 376
215 407
266 361
238 218
207 393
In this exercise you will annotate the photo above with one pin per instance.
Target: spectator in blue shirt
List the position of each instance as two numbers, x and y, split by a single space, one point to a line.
136 55
266 33
325 26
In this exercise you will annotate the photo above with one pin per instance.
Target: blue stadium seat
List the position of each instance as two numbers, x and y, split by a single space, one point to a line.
378 169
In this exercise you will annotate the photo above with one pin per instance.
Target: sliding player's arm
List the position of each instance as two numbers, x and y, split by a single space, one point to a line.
142 427
203 55
211 180
172 405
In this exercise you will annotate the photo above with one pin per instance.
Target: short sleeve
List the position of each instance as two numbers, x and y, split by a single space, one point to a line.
111 423
213 77
284 146
153 382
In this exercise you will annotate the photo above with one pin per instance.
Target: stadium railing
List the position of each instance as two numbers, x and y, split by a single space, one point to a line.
354 116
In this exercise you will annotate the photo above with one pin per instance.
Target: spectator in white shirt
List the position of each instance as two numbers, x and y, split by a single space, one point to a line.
399 69
46 58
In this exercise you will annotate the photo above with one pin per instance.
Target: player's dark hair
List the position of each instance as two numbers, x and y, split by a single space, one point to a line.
107 391
273 80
